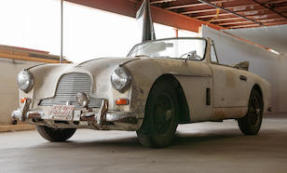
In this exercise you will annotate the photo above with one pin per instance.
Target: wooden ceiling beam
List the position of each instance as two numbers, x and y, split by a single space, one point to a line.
254 25
245 13
235 23
229 11
242 26
199 11
239 8
282 8
243 22
226 19
273 2
229 8
161 1
262 19
159 15
228 14
196 4
269 8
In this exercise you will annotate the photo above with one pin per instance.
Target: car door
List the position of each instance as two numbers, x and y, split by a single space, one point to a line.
197 81
229 87
229 84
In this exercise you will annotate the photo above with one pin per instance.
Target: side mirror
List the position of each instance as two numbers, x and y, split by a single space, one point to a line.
242 65
192 55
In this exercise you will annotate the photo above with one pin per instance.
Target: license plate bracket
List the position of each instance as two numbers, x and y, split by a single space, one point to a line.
62 112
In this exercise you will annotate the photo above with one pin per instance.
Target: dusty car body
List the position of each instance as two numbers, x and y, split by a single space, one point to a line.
207 91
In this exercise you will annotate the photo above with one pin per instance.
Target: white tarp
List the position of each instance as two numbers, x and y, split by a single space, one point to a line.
274 37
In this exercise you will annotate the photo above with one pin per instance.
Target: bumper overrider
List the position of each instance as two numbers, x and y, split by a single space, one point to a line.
95 118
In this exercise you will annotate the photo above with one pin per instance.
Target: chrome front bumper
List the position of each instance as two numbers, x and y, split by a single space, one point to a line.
98 118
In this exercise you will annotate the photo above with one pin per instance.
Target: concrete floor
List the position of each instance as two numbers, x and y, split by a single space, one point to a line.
203 147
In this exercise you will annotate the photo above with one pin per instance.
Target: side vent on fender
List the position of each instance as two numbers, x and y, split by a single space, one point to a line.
208 96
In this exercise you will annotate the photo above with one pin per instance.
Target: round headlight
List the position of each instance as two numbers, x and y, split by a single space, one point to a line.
25 81
120 79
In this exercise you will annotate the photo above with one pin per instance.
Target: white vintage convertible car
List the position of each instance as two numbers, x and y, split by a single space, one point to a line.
160 84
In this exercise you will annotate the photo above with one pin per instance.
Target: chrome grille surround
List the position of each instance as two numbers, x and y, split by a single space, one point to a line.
68 86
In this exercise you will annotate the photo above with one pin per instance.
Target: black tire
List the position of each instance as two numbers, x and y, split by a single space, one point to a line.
161 115
55 135
250 124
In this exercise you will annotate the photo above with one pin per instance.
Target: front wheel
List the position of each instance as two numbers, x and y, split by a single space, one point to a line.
161 114
55 135
251 123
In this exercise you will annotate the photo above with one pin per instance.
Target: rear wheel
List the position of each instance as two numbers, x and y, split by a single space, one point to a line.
251 123
161 115
55 135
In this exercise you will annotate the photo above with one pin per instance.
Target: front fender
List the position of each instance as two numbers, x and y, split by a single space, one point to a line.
147 70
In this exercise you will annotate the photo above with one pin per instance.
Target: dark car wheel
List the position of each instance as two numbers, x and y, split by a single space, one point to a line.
161 114
55 135
251 123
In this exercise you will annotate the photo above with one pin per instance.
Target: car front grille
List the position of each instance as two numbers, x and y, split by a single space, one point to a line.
68 86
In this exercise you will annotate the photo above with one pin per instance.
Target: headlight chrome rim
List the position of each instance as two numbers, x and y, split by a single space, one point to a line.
25 81
121 79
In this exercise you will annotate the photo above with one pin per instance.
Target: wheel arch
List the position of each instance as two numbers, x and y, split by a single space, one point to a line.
184 108
258 88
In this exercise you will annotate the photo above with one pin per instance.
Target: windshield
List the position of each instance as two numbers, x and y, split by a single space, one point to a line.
185 48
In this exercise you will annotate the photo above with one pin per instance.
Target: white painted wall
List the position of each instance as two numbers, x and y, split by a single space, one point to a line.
262 62
8 86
